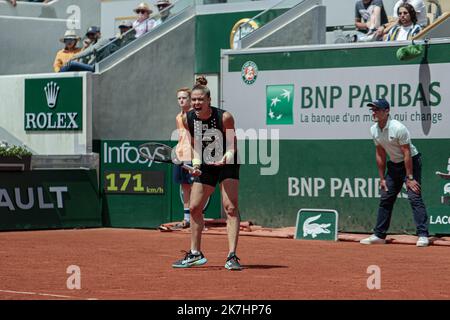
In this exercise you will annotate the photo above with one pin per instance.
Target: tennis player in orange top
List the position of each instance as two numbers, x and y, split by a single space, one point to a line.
183 152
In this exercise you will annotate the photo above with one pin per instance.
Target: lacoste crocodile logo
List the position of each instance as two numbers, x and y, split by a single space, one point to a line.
314 228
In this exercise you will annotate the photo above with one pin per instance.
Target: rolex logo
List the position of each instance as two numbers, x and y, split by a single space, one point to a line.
65 107
51 94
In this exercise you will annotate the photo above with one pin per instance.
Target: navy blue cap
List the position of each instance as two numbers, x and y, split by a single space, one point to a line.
93 29
379 103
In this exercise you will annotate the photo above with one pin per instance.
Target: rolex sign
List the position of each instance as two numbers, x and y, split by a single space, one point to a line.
53 104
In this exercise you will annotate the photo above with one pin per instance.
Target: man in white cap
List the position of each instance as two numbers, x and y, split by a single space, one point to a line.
392 138
125 36
164 11
124 26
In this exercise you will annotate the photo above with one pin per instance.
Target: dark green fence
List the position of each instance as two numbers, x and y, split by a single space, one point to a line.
49 199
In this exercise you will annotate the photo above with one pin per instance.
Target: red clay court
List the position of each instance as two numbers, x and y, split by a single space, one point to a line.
136 264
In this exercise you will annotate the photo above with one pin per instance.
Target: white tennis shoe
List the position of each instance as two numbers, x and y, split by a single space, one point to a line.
373 239
422 242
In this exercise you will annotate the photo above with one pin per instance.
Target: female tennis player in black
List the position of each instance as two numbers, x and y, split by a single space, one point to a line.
215 161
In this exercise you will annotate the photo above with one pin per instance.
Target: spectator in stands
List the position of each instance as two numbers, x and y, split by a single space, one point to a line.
421 13
215 1
407 26
14 2
143 23
70 41
100 50
164 11
125 36
369 15
419 7
124 27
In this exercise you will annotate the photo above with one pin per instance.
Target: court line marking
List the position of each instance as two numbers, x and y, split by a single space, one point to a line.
45 294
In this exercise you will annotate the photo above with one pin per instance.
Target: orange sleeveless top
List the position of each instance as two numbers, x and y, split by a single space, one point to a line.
183 148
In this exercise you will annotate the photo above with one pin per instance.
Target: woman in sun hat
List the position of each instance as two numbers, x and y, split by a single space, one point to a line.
63 56
143 23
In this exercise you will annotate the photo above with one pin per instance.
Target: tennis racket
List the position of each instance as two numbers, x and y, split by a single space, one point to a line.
160 152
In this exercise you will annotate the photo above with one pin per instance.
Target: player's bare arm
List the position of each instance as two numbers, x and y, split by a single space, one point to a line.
228 124
195 155
230 134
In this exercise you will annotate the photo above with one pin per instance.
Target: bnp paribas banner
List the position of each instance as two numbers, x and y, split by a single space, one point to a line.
323 94
303 115
54 104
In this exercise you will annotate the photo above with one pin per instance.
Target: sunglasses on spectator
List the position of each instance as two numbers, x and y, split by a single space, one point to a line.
141 11
69 40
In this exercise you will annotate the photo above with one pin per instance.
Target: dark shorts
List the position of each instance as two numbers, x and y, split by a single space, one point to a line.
211 175
181 175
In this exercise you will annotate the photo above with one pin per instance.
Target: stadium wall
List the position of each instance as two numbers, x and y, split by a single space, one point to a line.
136 98
307 23
49 199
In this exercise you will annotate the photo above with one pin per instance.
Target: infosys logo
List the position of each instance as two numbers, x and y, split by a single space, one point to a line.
124 153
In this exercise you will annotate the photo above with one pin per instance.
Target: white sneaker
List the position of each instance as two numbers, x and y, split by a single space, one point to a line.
422 242
373 239
367 38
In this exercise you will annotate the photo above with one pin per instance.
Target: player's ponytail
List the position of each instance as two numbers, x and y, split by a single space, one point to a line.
201 80
200 84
